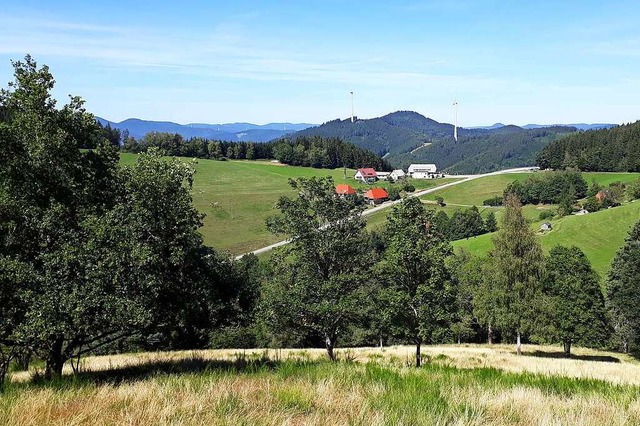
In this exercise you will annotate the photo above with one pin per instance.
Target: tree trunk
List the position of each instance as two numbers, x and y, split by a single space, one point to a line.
4 369
519 345
418 356
54 361
625 346
329 344
567 347
381 347
490 335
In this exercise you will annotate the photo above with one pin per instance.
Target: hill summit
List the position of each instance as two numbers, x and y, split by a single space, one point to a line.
405 137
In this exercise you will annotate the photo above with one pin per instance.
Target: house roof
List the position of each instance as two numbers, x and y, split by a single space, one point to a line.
344 189
368 172
376 194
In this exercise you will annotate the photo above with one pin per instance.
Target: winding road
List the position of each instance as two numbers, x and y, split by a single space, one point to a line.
466 178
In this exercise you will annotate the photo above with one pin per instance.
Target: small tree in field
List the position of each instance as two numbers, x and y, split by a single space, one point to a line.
319 278
516 261
416 272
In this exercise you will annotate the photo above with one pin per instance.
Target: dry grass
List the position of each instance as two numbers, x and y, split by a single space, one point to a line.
462 385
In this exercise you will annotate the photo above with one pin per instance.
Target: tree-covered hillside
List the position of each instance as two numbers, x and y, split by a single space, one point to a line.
406 137
607 150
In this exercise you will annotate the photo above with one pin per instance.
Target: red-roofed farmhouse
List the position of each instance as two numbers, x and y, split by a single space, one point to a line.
366 175
344 189
376 196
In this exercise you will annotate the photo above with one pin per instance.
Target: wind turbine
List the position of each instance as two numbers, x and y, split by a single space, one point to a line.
455 121
351 106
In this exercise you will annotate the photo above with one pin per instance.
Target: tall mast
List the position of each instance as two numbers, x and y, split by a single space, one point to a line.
455 121
351 106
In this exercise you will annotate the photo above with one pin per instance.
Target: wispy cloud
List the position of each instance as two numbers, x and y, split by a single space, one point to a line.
228 50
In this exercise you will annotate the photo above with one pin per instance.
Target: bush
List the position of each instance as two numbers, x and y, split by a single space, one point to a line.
394 192
546 214
408 187
493 202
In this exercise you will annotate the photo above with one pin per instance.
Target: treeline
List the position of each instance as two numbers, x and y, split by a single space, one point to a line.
464 223
608 150
548 188
314 151
336 283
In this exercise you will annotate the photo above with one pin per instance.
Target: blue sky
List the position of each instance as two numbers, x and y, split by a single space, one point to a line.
297 61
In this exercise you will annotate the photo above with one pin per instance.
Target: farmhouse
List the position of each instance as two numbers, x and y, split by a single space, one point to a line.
383 175
376 196
344 189
397 174
366 175
422 171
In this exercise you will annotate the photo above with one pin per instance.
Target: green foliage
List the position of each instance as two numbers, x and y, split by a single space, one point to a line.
407 187
548 188
319 279
302 151
415 274
633 190
490 222
547 214
92 253
607 150
394 192
573 309
516 263
623 291
493 202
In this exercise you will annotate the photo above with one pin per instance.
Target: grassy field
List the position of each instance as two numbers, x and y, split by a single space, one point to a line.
598 234
476 191
237 197
459 385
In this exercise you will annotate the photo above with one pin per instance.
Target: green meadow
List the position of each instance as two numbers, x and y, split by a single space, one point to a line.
599 235
238 196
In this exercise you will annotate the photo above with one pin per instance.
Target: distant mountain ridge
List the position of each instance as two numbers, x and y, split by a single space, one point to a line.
579 126
406 137
228 132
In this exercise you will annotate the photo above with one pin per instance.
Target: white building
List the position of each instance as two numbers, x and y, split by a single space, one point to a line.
397 174
422 171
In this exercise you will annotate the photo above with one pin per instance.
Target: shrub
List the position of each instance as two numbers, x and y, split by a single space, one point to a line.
409 188
546 214
494 202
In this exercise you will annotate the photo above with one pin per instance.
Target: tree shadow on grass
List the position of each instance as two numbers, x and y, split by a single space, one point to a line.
562 355
158 368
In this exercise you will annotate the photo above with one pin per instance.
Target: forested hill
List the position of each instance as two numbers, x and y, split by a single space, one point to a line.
406 137
607 150
233 132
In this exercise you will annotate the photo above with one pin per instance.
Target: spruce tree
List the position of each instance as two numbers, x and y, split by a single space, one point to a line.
516 261
623 291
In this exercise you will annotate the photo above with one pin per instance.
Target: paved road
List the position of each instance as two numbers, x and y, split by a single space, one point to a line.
466 178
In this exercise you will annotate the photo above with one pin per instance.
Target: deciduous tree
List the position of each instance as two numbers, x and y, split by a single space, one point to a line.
416 271
319 278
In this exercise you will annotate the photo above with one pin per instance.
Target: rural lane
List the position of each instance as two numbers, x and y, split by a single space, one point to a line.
388 204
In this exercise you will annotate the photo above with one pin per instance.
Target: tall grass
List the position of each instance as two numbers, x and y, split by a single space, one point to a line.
216 387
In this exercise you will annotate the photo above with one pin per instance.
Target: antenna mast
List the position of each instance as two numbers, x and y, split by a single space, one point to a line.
351 106
455 121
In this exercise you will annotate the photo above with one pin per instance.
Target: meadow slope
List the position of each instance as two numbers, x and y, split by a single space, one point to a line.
238 196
